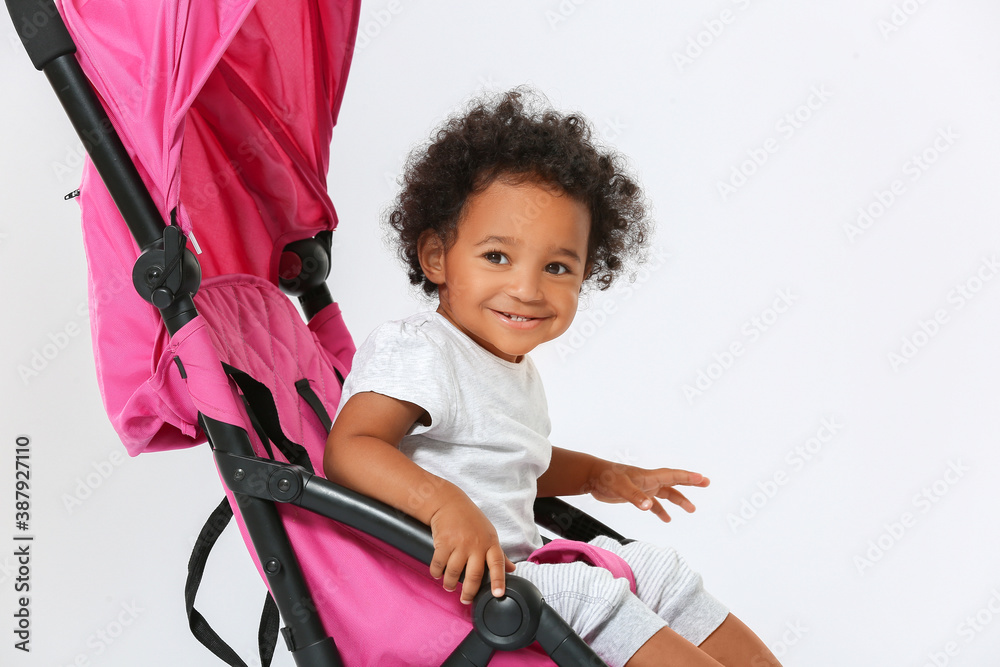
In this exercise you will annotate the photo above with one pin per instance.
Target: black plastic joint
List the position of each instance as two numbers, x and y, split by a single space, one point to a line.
262 478
285 484
509 622
286 634
565 648
304 265
472 652
167 271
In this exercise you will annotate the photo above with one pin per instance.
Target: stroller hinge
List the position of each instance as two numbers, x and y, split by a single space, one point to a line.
262 478
168 275
166 270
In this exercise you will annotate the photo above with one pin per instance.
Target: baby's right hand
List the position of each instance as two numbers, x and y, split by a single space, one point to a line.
465 538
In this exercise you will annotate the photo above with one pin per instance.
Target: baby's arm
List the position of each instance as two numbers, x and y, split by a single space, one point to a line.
362 453
573 473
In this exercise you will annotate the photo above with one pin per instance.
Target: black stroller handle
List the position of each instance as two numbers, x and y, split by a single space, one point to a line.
106 150
52 50
41 29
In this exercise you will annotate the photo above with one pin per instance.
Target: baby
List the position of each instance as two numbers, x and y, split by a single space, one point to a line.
504 217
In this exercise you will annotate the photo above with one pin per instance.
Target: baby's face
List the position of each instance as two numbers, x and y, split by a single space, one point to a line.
511 280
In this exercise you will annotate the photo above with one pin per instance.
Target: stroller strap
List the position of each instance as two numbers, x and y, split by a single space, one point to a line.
306 392
267 633
264 412
263 415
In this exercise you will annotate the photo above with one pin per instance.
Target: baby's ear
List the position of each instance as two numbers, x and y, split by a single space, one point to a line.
430 252
588 271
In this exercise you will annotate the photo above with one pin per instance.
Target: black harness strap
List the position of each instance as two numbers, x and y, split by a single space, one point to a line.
261 403
267 636
306 391
258 429
264 418
267 633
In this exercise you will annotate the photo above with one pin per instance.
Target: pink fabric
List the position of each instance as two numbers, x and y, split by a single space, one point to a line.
328 326
571 551
248 323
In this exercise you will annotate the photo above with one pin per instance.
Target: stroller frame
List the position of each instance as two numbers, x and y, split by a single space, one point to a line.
167 275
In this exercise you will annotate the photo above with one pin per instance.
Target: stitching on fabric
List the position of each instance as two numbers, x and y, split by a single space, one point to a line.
239 325
322 354
582 597
213 333
322 380
234 324
298 371
279 382
332 360
274 371
249 348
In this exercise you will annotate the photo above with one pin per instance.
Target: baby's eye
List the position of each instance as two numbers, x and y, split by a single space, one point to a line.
557 269
494 257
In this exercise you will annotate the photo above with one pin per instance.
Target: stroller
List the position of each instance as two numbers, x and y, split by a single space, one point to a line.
217 118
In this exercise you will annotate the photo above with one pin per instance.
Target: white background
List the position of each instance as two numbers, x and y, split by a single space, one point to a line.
833 559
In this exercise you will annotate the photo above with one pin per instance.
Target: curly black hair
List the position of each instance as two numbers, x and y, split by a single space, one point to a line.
518 138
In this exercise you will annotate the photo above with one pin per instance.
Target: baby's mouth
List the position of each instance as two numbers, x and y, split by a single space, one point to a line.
516 318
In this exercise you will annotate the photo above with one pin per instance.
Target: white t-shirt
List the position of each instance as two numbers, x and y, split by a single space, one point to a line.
489 419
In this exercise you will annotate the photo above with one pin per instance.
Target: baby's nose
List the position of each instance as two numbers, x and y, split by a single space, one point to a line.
525 285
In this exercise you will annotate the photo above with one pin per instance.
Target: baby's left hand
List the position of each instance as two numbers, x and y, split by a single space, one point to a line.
618 483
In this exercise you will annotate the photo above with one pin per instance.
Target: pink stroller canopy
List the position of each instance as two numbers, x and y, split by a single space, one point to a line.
227 108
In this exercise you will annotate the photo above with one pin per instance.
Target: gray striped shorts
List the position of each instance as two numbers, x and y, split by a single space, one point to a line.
609 617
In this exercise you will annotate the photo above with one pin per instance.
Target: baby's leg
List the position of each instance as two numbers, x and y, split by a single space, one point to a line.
668 649
669 587
599 607
731 645
735 645
674 591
